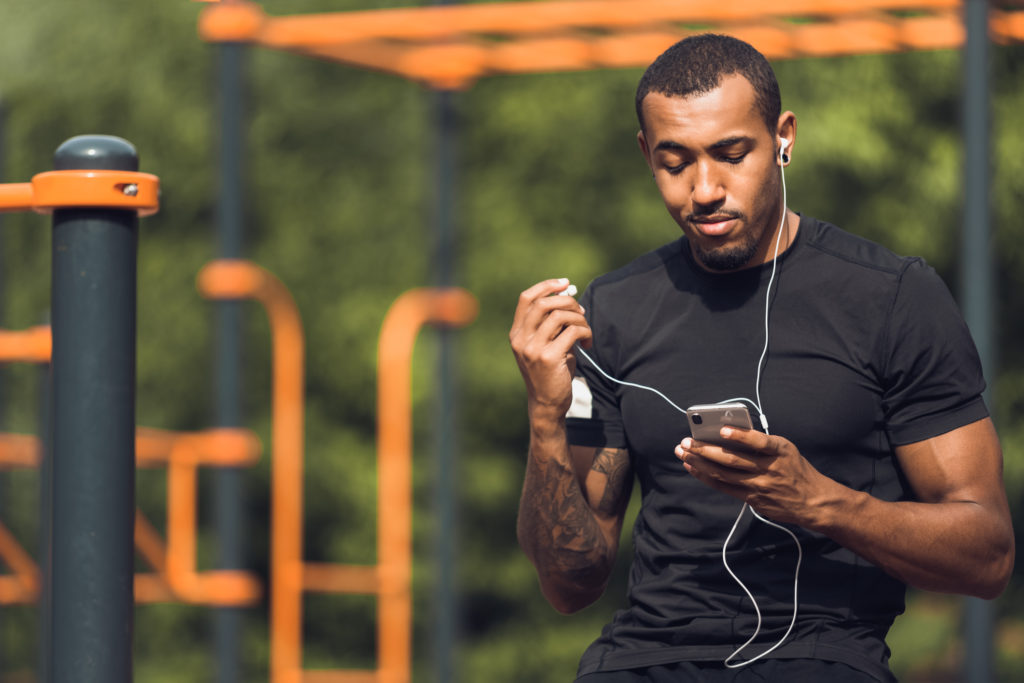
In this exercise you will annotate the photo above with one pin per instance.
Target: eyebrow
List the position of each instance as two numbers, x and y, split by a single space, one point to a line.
721 144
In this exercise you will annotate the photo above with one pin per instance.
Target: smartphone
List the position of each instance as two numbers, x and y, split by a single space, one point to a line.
706 420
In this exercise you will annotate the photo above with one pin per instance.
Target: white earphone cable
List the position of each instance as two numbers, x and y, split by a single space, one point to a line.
764 423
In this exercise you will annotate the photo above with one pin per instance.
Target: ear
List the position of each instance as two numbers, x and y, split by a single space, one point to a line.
641 140
786 129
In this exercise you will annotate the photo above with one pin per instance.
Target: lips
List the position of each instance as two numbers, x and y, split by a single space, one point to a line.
713 226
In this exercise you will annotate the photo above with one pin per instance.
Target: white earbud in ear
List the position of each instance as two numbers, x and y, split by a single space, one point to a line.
783 146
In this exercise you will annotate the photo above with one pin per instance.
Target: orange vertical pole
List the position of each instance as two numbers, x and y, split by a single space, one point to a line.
394 456
238 279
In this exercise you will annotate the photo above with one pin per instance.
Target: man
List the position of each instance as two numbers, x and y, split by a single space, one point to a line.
881 458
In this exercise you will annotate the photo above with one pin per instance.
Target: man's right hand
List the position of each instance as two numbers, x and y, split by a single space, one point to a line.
544 330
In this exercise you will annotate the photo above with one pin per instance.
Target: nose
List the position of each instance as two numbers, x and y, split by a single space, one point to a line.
707 184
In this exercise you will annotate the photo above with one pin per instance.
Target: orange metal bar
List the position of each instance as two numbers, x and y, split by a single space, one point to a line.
151 587
26 346
407 314
20 450
183 453
451 46
175 578
247 21
23 586
221 587
340 578
15 197
84 188
238 279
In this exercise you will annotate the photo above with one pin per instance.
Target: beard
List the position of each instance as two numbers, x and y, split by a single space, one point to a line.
732 257
739 254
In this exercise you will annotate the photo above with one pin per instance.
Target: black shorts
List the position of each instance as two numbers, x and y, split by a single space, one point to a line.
763 671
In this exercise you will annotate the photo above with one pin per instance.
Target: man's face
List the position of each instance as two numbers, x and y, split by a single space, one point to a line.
716 167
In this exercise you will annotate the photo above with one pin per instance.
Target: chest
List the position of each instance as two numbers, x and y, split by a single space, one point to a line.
819 383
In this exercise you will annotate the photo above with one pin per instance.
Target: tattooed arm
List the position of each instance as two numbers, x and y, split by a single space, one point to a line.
570 517
574 499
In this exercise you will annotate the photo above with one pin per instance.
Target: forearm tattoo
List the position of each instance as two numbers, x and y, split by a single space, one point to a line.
614 464
554 507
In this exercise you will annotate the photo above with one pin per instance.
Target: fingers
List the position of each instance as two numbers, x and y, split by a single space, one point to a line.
541 318
702 455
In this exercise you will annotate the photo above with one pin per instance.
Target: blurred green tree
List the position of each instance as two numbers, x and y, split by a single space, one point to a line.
338 177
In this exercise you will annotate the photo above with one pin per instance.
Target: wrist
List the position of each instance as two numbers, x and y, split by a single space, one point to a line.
837 507
546 420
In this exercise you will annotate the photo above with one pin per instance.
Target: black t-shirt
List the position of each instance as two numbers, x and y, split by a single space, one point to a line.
867 351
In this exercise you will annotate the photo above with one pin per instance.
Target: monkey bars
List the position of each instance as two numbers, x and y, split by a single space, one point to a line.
291 576
450 46
175 577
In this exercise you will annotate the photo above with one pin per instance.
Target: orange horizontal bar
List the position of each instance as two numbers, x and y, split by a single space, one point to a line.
340 578
84 189
339 676
151 588
1007 26
218 447
449 47
247 21
32 345
219 587
15 197
99 189
20 450
229 279
12 591
458 64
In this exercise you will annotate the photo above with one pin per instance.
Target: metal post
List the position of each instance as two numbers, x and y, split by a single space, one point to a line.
93 369
228 376
445 635
976 275
3 273
45 606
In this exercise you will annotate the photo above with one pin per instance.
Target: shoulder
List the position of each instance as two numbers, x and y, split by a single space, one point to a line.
644 271
849 251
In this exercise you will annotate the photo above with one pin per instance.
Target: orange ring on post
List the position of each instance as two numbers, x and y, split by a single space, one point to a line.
96 189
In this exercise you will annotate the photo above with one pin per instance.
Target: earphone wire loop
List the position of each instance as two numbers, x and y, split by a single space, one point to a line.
764 423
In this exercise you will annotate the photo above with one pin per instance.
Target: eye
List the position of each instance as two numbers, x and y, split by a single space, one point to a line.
678 168
734 158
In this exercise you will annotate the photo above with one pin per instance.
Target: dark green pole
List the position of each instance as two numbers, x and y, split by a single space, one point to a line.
228 361
446 600
976 276
93 374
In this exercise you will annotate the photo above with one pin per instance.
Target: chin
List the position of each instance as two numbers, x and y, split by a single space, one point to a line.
725 259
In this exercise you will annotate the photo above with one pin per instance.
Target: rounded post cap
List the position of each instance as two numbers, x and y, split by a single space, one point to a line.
96 152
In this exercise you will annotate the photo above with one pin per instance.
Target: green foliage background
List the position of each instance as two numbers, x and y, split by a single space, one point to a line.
339 176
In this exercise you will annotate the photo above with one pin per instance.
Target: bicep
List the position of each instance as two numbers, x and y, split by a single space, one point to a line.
606 479
963 465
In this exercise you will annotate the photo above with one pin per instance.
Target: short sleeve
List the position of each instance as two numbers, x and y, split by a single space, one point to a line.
933 377
594 418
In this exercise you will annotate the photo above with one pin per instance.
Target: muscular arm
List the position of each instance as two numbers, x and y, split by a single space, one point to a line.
956 537
570 517
574 499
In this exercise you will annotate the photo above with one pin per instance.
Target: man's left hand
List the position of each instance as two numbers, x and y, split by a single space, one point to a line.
766 471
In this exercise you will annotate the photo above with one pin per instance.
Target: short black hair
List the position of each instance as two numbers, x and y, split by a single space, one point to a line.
696 65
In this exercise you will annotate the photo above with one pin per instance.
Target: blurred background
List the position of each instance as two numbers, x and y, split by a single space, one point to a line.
341 198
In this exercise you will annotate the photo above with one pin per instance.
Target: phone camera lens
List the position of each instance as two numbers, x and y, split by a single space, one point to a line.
697 419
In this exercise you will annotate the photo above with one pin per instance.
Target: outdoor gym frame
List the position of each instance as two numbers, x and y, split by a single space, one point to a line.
448 47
